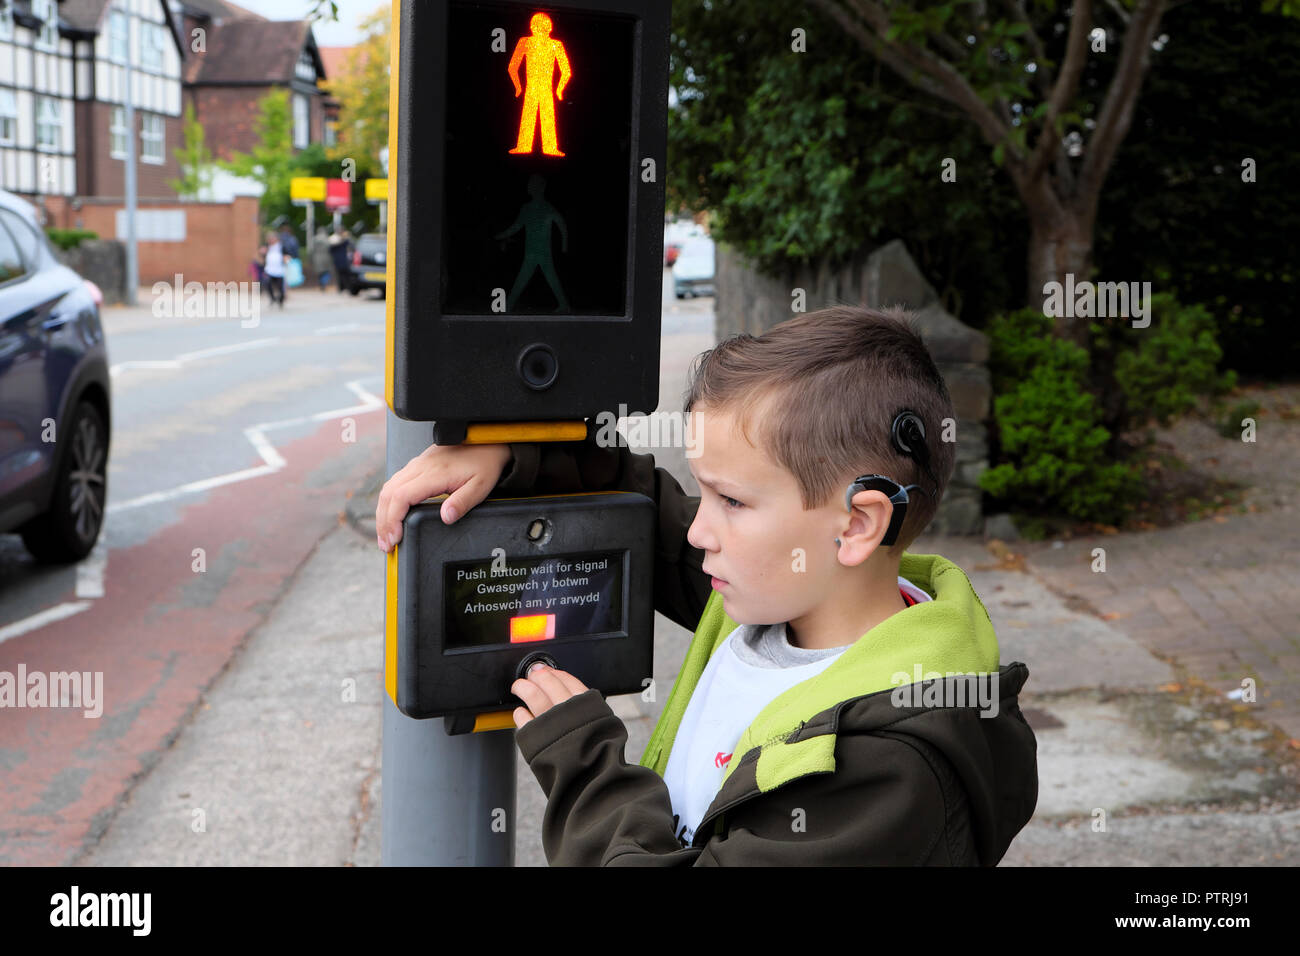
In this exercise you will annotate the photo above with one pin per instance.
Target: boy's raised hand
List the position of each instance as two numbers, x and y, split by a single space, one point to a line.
466 473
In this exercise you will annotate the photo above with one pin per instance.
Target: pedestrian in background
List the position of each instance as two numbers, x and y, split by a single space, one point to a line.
257 268
321 259
273 264
341 253
289 242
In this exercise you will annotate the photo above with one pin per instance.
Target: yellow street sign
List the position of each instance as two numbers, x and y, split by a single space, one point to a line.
307 189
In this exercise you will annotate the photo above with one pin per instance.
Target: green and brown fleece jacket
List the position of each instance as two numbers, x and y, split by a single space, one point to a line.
854 766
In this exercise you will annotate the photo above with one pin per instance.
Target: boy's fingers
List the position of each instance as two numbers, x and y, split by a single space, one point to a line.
464 498
522 716
395 494
571 683
534 698
464 478
404 494
549 681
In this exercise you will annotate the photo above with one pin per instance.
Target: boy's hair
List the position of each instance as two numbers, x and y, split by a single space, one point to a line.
830 383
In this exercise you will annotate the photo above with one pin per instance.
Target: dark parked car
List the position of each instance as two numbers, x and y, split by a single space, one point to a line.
54 395
370 263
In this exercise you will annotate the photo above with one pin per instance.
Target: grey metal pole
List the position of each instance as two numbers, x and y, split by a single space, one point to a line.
132 262
444 799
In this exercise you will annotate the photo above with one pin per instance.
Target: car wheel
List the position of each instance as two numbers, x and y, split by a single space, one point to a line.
681 295
69 530
355 290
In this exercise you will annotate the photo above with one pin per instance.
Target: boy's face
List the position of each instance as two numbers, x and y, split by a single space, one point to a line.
776 559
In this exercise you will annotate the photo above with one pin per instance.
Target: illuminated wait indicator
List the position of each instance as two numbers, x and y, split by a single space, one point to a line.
542 53
532 627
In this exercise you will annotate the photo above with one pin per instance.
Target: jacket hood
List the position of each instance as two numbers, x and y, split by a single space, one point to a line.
901 677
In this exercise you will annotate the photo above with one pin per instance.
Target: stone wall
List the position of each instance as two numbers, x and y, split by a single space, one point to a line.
103 262
749 301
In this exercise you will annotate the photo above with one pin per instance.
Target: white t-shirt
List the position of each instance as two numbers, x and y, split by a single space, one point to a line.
755 665
275 260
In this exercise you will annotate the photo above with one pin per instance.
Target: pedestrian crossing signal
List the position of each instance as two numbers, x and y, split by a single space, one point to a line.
543 54
529 246
539 186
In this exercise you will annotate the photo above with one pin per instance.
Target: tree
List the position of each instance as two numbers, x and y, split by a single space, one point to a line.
195 160
271 161
1028 76
362 92
1202 221
325 11
1003 69
806 158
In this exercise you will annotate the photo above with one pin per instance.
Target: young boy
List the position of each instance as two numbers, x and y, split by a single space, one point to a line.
815 719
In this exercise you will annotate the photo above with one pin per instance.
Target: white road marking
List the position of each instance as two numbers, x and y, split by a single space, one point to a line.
181 359
349 327
90 571
227 349
48 616
256 435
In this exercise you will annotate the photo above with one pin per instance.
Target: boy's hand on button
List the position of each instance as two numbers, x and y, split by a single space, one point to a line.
542 690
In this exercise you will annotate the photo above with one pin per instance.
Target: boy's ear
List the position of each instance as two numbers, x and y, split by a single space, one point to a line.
868 524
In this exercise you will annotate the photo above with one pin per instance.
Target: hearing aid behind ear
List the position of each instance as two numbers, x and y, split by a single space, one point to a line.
907 433
896 494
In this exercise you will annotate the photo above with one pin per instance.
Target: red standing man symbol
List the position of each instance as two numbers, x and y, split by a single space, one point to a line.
542 54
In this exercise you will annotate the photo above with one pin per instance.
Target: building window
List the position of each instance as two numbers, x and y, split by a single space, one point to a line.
6 20
331 134
301 121
117 133
119 42
306 68
8 117
47 38
151 138
151 56
49 124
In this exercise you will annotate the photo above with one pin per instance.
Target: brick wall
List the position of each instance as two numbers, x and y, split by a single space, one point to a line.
221 238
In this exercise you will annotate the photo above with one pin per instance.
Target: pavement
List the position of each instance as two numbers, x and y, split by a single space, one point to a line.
120 318
1148 754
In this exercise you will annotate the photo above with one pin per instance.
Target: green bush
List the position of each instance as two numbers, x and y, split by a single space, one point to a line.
1164 369
1228 423
67 239
1050 428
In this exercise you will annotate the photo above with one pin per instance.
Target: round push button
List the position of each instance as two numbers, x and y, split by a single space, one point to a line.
538 366
532 659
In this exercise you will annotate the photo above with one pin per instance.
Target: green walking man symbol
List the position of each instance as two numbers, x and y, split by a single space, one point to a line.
535 218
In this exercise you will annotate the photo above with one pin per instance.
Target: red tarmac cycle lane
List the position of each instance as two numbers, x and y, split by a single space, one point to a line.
160 635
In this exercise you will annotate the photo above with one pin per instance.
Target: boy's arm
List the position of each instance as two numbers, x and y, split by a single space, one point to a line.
598 807
681 588
886 804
